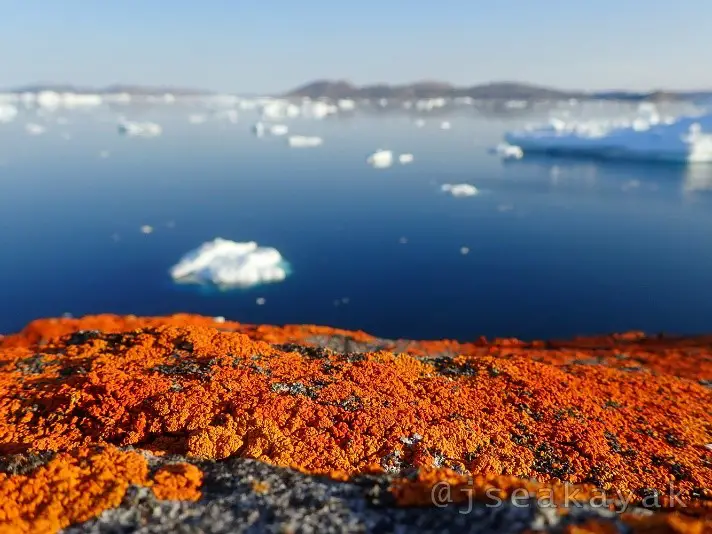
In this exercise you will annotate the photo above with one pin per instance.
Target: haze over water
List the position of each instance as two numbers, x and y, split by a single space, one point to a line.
557 247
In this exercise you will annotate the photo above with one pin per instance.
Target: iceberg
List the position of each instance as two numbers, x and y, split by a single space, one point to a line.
380 159
302 141
279 129
460 190
685 139
404 159
8 112
139 129
228 264
35 129
445 125
507 151
258 129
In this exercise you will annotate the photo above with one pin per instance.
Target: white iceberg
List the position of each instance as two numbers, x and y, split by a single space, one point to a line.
346 104
139 129
258 129
229 264
8 112
279 129
404 159
460 190
34 128
302 141
445 125
507 151
686 139
380 159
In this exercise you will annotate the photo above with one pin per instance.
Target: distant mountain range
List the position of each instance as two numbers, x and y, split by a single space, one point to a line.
339 89
497 90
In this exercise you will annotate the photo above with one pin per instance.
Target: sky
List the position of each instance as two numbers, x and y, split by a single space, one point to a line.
271 46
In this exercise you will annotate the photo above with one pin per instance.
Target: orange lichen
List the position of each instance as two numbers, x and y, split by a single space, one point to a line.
73 487
178 482
627 413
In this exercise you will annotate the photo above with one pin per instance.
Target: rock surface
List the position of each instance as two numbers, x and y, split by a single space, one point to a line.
192 424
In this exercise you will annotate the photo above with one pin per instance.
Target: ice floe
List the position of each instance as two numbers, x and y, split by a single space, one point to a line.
685 139
147 229
445 125
229 264
258 129
460 190
139 129
279 129
380 159
404 159
8 112
346 104
303 141
197 118
507 151
33 128
260 301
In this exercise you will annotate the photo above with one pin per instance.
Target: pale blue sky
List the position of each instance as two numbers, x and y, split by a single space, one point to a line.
274 45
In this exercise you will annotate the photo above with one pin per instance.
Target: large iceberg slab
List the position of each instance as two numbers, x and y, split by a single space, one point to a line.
228 264
685 139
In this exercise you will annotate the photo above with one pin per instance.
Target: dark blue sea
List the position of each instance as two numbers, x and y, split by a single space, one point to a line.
557 247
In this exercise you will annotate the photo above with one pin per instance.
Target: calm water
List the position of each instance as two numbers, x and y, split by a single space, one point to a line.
557 247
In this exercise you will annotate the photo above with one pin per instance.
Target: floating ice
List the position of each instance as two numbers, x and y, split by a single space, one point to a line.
318 109
260 301
464 251
420 123
140 129
404 159
258 129
146 229
197 118
279 129
346 104
104 154
380 159
279 109
229 115
229 264
445 125
507 151
34 128
630 185
685 139
460 190
8 112
302 141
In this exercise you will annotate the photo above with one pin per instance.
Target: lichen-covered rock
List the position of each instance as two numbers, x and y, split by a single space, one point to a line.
91 408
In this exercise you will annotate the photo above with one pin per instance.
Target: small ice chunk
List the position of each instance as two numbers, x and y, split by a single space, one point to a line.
146 229
403 240
460 190
279 129
505 207
8 112
464 251
445 125
261 301
258 129
197 118
404 159
229 264
302 141
230 115
380 159
140 129
33 128
630 185
507 151
420 123
346 104
219 319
